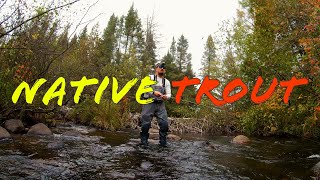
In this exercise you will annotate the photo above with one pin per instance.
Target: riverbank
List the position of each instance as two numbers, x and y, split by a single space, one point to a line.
190 125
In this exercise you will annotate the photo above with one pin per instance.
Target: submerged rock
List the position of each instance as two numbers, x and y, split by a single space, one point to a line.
154 134
14 125
55 145
210 145
71 133
39 129
137 141
4 134
241 139
76 136
146 165
119 175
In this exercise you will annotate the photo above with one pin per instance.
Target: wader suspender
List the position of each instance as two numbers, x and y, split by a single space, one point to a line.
163 80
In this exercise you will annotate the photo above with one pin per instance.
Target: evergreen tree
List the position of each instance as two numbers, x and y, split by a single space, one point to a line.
172 72
231 68
109 42
149 54
133 31
173 49
182 53
209 62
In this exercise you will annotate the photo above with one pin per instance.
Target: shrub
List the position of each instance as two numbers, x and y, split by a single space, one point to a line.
106 115
276 118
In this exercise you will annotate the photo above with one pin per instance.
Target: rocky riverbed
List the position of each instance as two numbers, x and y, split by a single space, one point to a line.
80 152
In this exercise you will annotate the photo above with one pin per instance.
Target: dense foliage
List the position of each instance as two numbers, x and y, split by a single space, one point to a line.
276 39
273 39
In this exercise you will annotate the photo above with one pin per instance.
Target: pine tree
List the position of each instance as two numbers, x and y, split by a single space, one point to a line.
182 48
173 49
231 68
109 41
133 31
209 60
149 53
172 72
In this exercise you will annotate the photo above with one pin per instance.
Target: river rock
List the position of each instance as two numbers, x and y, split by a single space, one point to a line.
316 169
153 141
154 135
170 137
314 156
150 141
14 125
119 175
72 133
4 134
151 130
173 137
66 112
210 145
146 165
92 130
55 145
241 139
39 129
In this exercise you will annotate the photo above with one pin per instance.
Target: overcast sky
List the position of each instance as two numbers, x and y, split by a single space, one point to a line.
194 19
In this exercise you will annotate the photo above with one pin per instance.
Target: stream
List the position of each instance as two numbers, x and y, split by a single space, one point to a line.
79 152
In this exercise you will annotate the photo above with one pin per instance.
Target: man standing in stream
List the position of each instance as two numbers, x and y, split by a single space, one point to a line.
161 92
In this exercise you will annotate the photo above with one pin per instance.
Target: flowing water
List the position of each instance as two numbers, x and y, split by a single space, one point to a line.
74 152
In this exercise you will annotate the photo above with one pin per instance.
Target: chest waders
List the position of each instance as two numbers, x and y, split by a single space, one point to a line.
157 109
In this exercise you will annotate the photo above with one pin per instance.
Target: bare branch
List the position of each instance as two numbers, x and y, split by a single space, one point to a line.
34 17
7 18
3 4
89 21
85 14
60 54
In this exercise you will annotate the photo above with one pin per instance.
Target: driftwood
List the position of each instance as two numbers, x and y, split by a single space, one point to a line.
176 125
189 125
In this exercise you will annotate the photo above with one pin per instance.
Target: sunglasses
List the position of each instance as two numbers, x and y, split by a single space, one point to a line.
162 66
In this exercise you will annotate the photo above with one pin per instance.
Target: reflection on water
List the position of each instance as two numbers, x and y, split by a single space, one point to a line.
101 155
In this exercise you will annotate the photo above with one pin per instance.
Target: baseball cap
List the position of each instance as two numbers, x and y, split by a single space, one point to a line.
160 65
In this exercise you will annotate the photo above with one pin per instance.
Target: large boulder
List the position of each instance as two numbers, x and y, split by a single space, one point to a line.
14 125
241 139
4 134
39 129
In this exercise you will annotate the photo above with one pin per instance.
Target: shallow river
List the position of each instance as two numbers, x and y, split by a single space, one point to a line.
76 152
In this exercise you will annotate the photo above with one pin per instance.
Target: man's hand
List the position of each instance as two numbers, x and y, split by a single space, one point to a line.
157 93
164 97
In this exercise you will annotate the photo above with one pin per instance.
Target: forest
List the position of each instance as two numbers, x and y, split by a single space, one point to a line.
273 39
